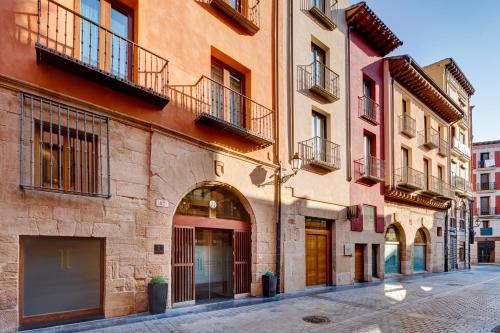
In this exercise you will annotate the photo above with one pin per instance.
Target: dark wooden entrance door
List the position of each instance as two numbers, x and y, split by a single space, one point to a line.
359 259
317 257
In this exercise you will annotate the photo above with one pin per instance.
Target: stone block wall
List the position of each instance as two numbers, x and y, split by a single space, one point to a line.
145 166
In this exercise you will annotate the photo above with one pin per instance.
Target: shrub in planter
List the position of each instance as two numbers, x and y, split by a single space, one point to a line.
157 295
269 284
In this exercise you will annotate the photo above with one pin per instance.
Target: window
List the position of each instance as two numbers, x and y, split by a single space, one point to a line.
319 136
318 58
405 158
369 214
440 172
117 53
484 156
484 205
462 137
440 231
486 224
369 145
227 104
64 149
426 174
405 106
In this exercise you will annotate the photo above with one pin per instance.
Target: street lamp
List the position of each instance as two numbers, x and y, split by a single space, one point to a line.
296 163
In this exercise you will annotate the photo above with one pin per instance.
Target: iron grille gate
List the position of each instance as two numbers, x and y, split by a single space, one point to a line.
183 279
63 149
453 251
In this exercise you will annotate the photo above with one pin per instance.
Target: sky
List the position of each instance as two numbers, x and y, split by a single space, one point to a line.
469 32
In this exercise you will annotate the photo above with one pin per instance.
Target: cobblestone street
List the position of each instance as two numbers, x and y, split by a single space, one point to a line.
465 301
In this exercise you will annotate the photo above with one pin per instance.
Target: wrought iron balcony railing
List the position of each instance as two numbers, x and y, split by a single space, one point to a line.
429 138
486 231
323 10
71 41
63 149
321 153
453 222
217 105
245 13
461 148
489 163
369 168
461 185
368 109
440 188
320 79
486 186
487 211
444 148
409 178
407 126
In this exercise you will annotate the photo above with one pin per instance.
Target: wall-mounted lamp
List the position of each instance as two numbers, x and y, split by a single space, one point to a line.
296 163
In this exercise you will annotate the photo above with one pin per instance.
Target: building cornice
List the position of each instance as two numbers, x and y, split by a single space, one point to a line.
395 195
372 28
413 77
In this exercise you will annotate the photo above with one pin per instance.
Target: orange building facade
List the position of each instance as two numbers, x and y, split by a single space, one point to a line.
138 141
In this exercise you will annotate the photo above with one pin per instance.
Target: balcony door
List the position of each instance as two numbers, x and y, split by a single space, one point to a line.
318 58
484 205
485 179
368 94
320 4
368 153
227 91
111 50
426 174
319 136
404 164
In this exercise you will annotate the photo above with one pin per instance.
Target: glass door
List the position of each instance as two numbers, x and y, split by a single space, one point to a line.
235 100
368 93
120 48
318 58
213 264
318 136
89 32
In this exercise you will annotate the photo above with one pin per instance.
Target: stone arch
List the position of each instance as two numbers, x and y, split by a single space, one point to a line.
422 242
400 239
236 221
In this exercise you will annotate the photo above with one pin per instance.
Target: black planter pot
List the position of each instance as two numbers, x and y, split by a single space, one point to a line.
269 286
157 295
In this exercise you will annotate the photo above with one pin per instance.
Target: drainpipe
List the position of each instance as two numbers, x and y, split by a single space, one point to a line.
446 242
277 143
392 134
290 82
348 106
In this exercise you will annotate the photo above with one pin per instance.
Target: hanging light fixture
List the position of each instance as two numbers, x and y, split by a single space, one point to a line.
296 163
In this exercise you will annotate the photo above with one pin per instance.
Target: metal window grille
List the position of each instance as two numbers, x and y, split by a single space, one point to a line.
63 149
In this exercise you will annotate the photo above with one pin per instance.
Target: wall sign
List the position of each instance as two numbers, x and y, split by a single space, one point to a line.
161 203
159 249
348 249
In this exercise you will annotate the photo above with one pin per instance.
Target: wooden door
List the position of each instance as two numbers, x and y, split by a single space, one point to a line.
242 261
183 264
359 260
317 257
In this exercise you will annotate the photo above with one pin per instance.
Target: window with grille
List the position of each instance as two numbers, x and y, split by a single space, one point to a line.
63 149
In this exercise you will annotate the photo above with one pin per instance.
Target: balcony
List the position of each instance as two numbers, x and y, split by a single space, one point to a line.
244 13
429 138
407 126
323 11
218 106
319 79
369 169
320 153
74 43
486 186
486 231
438 188
462 186
461 149
487 211
369 110
465 120
486 164
444 148
409 179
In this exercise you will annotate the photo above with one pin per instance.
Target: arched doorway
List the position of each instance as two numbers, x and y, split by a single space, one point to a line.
211 246
419 251
392 252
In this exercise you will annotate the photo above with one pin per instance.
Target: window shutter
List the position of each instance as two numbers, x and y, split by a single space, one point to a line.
380 224
497 158
474 182
474 161
357 223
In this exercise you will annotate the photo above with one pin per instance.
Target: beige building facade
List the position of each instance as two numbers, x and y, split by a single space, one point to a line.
453 81
418 191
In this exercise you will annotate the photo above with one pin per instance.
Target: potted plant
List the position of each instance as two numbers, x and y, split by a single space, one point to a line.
157 295
269 284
